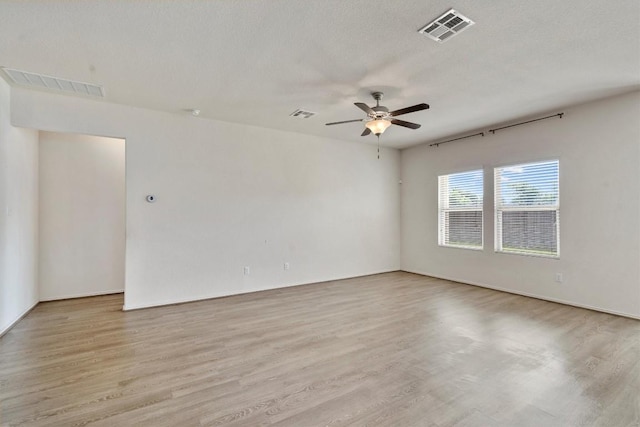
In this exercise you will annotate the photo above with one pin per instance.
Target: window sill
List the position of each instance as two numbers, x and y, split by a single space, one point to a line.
529 254
472 248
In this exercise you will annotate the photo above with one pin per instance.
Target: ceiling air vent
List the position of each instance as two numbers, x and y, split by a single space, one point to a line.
302 114
40 81
446 26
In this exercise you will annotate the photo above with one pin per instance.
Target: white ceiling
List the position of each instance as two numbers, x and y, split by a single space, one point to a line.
256 61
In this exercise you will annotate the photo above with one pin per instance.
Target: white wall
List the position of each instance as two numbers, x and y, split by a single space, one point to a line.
18 217
598 145
82 217
230 196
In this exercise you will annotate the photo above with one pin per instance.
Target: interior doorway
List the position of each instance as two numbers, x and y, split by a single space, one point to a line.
81 215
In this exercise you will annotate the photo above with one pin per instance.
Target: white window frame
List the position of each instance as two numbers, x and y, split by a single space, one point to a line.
444 208
499 209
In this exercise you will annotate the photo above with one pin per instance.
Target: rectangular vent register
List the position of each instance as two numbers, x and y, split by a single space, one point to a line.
40 81
302 114
446 26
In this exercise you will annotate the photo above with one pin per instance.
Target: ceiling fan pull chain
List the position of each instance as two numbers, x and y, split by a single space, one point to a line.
378 146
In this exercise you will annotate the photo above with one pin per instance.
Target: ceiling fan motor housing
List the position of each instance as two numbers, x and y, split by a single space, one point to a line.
380 112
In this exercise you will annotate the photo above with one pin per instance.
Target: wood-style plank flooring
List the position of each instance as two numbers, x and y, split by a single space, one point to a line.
393 349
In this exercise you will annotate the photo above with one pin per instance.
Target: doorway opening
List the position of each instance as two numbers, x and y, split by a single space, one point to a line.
81 215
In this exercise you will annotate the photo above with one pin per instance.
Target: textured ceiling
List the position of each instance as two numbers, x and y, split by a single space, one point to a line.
256 61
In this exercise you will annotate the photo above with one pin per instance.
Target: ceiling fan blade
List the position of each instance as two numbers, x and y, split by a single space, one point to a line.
346 121
365 108
366 132
414 108
405 124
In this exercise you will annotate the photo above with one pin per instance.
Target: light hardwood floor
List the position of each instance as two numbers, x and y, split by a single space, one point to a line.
393 349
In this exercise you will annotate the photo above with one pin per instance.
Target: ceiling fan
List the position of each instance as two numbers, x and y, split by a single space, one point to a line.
379 118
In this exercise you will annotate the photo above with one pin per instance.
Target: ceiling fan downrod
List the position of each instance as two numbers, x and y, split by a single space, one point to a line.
377 96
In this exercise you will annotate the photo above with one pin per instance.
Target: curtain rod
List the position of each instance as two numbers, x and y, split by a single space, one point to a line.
493 131
455 139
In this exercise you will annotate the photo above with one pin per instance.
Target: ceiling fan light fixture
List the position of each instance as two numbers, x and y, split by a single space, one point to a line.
378 126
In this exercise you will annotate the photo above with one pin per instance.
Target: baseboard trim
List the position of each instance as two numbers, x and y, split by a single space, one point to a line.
251 291
12 324
526 294
92 294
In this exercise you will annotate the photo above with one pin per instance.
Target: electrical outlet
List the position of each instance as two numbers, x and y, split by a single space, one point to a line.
287 266
559 278
247 271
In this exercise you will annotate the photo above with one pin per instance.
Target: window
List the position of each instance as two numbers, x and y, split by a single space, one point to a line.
460 210
527 209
